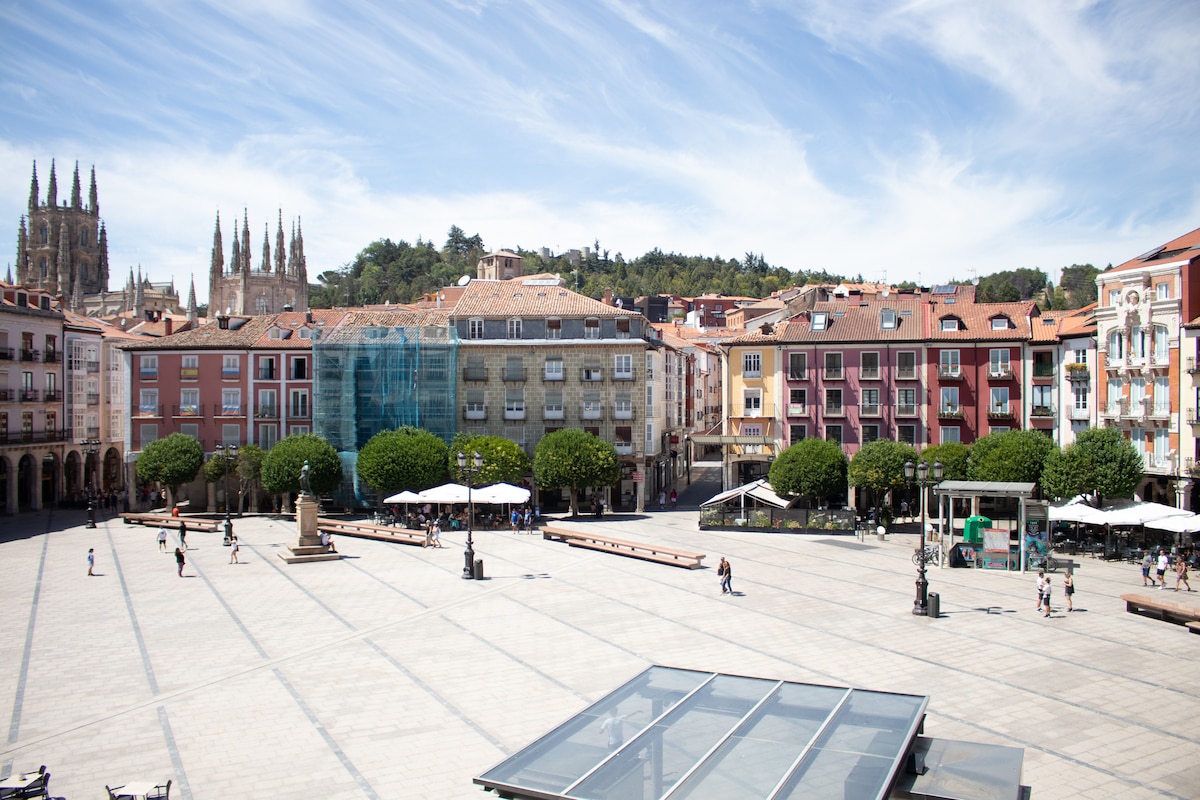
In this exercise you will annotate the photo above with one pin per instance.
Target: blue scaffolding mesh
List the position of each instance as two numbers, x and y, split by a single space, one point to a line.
373 378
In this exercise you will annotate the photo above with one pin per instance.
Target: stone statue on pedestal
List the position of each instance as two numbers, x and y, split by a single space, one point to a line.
305 486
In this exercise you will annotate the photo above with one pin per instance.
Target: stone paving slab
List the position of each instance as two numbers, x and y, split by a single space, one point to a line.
385 675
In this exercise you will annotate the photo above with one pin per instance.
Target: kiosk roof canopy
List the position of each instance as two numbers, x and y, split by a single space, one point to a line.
985 488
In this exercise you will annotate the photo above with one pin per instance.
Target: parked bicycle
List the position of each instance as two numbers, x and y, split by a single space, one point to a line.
1043 561
931 555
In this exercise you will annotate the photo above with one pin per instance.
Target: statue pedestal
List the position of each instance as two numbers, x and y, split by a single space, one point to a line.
309 547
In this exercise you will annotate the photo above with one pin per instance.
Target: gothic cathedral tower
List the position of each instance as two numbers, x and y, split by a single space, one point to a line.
275 284
63 248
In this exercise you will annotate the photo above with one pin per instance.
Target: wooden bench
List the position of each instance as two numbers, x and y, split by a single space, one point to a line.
366 530
168 521
1165 610
623 547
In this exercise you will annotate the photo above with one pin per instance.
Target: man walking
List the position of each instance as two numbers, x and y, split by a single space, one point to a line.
1161 569
162 540
91 561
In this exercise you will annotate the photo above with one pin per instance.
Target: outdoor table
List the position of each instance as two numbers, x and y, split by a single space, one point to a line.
19 783
135 789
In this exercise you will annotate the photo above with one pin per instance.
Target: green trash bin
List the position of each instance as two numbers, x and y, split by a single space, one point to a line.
973 529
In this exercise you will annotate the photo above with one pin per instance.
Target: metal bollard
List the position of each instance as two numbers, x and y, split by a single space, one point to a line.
935 604
478 574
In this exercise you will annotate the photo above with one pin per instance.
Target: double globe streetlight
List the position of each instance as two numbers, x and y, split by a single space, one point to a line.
919 475
470 472
229 455
91 447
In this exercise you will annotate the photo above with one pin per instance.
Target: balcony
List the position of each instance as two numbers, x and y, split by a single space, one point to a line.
624 448
622 376
906 374
302 411
949 373
906 410
798 375
475 374
556 375
1000 372
623 412
1191 365
30 395
7 395
797 409
833 373
951 412
264 373
514 374
553 412
837 410
868 410
93 367
148 411
6 354
148 374
591 374
230 373
93 433
1002 411
53 357
187 410
1080 413
514 412
1043 370
53 396
232 410
1078 372
1042 411
266 412
35 437
868 374
476 411
93 398
591 412
31 355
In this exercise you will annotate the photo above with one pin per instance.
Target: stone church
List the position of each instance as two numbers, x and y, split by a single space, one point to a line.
280 280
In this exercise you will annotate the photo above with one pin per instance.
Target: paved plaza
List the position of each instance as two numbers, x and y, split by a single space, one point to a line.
384 675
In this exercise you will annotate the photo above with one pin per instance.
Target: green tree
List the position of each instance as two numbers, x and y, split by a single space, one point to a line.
404 458
814 469
1100 462
572 458
503 459
245 471
281 468
953 456
878 466
1079 283
1016 456
171 462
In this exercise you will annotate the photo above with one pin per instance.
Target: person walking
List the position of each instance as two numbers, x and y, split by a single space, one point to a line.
435 533
162 540
1147 563
1041 587
725 573
91 561
674 500
904 509
1069 590
515 520
233 550
1181 573
1161 569
529 520
183 534
662 500
1046 597
180 560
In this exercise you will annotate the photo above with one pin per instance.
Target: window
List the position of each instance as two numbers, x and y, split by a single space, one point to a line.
623 436
299 368
299 430
1043 399
820 320
906 402
1162 449
906 365
266 368
475 369
1162 397
623 409
833 401
514 328
1137 437
1162 355
1043 365
1116 346
299 404
623 368
554 403
906 434
870 402
189 402
833 433
268 435
305 333
148 402
950 400
1114 296
476 407
1137 345
797 433
833 366
514 368
1137 396
554 368
1081 357
887 319
752 364
475 329
797 366
275 333
148 367
1114 396
870 366
267 407
998 363
999 400
554 329
591 329
231 434
1162 291
146 433
949 434
1000 323
514 402
999 428
191 429
870 433
797 402
1080 392
592 409
948 363
262 305
231 402
949 323
230 367
622 329
752 403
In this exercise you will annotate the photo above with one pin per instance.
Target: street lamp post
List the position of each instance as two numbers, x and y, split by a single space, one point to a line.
91 448
918 474
470 472
229 454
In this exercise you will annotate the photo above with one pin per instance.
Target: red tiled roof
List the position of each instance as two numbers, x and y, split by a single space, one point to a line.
1184 248
521 297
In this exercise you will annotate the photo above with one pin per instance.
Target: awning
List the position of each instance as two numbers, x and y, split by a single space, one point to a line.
1076 510
501 493
1178 524
759 491
404 497
716 438
1140 513
446 493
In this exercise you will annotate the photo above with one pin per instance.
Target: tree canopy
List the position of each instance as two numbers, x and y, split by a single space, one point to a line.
879 467
814 469
172 461
572 458
953 456
503 459
1099 462
281 468
1018 456
404 458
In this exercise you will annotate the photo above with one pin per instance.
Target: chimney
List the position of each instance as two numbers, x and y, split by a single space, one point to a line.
223 322
168 326
308 316
608 301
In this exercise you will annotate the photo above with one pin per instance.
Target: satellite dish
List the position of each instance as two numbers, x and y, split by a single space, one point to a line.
464 280
886 292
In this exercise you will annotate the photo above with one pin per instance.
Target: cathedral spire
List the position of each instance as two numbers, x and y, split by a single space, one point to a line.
76 196
301 262
22 243
64 262
33 191
279 256
139 294
192 311
235 258
77 299
245 241
103 262
93 196
52 191
266 262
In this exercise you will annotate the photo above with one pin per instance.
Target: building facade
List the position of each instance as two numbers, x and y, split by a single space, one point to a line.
278 283
62 248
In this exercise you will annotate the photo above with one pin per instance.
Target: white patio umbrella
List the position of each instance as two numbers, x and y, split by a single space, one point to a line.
446 493
1177 524
1075 510
1140 513
502 493
404 497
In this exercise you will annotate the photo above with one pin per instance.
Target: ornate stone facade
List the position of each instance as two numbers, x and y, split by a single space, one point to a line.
62 248
280 281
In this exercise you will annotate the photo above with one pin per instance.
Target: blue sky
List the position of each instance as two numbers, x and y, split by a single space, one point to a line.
921 140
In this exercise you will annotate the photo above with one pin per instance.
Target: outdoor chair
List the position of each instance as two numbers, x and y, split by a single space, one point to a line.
38 789
161 792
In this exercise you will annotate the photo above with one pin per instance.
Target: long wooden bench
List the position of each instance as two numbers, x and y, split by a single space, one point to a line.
366 530
1166 610
624 547
168 521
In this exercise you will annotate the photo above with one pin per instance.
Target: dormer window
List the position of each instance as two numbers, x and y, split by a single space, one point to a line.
949 323
820 320
305 333
275 333
888 319
1000 323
